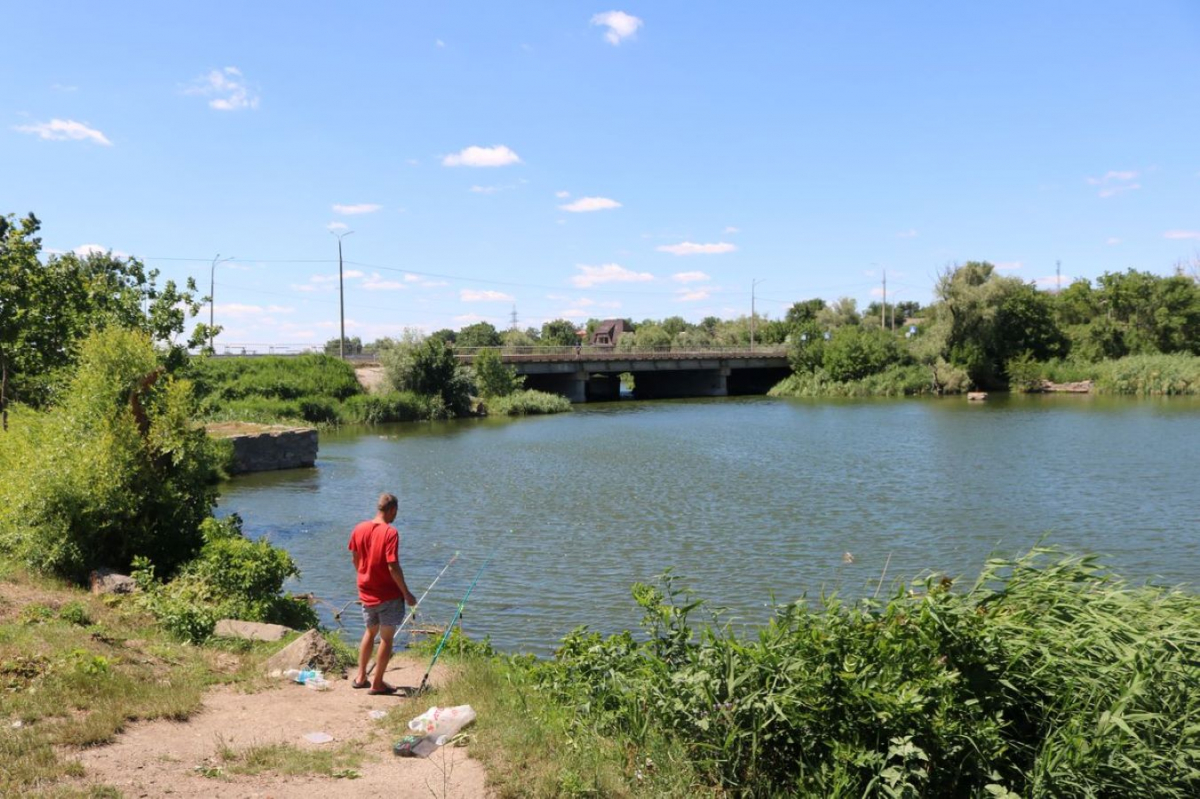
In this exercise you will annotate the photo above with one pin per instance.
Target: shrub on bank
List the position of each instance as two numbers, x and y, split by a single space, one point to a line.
116 470
893 381
232 577
1048 678
396 406
221 380
527 402
1140 375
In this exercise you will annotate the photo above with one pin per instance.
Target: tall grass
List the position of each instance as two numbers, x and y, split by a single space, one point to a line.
287 378
1050 677
527 402
1142 375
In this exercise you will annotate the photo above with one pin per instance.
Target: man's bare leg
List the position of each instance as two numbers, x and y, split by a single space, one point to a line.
386 634
364 653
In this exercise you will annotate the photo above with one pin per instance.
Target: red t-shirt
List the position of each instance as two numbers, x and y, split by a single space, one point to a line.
377 545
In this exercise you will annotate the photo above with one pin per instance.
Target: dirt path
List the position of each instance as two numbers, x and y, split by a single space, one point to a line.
172 758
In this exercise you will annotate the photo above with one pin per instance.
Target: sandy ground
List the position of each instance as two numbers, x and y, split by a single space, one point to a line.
371 377
162 758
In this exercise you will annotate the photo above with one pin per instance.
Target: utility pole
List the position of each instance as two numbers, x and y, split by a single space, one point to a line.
341 296
212 283
753 283
883 310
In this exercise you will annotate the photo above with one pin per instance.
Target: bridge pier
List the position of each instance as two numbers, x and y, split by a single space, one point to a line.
572 383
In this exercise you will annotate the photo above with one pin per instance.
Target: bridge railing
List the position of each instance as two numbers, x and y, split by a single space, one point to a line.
526 352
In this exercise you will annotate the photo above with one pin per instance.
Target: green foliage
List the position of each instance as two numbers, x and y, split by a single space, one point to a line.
1048 678
558 333
221 380
492 377
336 346
116 470
232 577
480 334
48 309
395 406
853 352
428 368
894 381
527 403
1024 373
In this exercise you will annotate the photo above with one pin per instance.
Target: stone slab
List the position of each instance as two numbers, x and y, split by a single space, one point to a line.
250 630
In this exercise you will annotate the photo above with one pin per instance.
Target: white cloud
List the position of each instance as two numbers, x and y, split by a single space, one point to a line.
1008 266
607 273
469 318
1112 240
439 43
1182 234
84 250
61 87
498 155
732 229
620 25
484 295
1113 191
1115 182
573 313
226 88
690 277
562 195
694 295
377 283
337 226
586 204
911 233
64 130
360 208
691 248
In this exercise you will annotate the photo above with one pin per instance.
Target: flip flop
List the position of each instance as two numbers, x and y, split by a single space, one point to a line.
386 690
363 684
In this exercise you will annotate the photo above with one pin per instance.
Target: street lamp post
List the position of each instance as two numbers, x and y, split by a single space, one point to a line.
341 296
212 275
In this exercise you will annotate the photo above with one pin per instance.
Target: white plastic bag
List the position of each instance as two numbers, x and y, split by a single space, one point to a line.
442 723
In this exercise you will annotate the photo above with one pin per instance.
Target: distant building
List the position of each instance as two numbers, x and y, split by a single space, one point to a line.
607 332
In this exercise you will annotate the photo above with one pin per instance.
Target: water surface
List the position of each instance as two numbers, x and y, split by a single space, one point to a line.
749 499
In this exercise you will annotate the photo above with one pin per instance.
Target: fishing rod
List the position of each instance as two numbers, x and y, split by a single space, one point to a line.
413 612
450 626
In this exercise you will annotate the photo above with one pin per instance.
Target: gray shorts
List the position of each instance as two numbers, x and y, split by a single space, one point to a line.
385 614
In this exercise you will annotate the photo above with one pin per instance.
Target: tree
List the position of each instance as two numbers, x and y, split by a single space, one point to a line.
47 310
493 378
803 312
853 352
428 367
842 312
559 333
445 335
480 334
116 469
354 346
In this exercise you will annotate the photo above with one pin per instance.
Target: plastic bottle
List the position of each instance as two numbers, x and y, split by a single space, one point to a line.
293 675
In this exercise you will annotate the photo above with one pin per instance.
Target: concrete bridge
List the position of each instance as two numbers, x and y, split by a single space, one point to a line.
593 374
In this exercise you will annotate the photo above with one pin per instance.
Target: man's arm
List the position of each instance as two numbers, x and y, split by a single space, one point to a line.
354 552
398 575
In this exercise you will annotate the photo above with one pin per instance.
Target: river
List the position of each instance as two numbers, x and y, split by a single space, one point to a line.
749 500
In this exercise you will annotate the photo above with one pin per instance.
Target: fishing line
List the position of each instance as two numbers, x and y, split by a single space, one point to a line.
412 613
450 627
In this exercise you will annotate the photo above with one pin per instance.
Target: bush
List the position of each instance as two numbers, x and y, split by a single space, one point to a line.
232 577
428 368
894 381
1049 677
396 406
854 352
527 402
115 471
219 380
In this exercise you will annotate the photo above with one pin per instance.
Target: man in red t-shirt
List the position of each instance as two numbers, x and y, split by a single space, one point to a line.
375 545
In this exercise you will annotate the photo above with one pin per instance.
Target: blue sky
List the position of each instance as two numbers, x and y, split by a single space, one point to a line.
585 159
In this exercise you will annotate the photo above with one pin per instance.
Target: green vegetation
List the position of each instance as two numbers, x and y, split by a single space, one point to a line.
338 762
1143 375
526 403
48 309
1048 677
116 470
